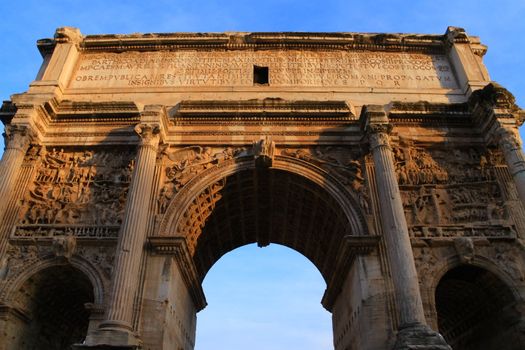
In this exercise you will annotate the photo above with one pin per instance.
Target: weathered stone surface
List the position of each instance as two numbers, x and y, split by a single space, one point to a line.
134 162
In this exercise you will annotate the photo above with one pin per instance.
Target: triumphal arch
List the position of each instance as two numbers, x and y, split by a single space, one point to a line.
134 162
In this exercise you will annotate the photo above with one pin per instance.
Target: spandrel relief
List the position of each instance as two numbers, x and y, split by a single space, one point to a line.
77 188
180 165
341 162
452 192
420 166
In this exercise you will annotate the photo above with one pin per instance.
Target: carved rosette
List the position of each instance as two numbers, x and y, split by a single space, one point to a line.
18 137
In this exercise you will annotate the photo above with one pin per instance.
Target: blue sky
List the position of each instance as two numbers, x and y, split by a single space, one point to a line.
253 293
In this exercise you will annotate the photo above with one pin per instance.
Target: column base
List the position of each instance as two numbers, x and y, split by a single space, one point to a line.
110 339
419 337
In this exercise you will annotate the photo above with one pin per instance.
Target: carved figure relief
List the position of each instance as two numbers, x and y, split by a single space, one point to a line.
343 163
78 188
182 164
444 189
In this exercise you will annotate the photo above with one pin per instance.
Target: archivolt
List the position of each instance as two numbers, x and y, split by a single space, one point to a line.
182 201
329 211
78 263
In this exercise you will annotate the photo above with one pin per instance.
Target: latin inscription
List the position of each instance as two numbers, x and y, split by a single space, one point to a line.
287 68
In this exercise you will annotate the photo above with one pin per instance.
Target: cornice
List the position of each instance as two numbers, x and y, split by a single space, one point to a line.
255 111
428 113
428 43
92 112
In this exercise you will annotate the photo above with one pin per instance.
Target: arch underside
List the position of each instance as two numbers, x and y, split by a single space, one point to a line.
263 207
54 302
476 310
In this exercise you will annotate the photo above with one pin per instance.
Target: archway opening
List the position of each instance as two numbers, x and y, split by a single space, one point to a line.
263 207
54 300
476 310
263 299
266 206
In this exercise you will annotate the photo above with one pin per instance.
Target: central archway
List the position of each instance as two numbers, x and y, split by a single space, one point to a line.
263 298
292 203
263 207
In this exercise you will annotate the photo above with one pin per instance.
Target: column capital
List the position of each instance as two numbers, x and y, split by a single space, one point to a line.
376 126
508 139
18 137
149 134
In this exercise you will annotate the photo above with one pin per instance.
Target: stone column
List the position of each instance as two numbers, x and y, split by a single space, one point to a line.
413 330
117 329
18 139
510 143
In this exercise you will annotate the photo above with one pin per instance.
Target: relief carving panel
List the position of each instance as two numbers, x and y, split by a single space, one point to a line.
78 193
452 192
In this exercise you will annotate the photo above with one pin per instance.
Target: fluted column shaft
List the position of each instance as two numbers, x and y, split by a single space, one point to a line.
133 233
18 139
395 229
512 150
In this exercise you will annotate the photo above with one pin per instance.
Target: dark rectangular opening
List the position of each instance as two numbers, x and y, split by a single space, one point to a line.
260 75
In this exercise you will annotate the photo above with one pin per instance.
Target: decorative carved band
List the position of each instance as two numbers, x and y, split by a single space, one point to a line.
30 233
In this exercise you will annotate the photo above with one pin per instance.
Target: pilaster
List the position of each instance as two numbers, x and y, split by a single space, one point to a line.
413 331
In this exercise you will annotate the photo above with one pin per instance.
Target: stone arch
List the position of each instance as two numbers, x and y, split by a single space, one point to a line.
176 219
77 262
51 298
476 306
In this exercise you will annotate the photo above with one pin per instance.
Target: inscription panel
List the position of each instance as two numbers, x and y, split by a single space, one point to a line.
286 68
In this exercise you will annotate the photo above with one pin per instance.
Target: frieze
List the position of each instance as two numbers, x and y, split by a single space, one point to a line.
449 232
43 232
418 166
87 187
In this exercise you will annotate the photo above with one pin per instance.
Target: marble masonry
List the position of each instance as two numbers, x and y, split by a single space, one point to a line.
134 162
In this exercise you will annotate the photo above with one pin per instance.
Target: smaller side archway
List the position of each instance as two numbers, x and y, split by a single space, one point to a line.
477 310
52 303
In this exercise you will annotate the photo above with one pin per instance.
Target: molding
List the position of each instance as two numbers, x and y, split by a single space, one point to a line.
92 112
426 43
271 109
429 114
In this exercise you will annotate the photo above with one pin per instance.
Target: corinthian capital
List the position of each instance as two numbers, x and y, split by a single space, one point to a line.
149 134
378 139
17 137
